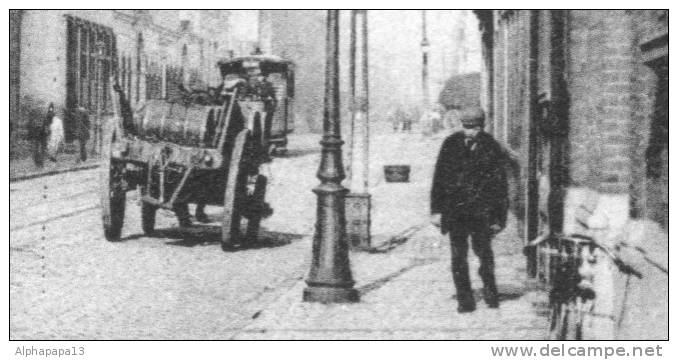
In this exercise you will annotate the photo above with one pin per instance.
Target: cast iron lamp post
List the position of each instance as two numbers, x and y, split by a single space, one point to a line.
330 279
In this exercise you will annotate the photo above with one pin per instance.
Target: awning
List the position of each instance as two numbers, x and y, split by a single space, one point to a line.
461 91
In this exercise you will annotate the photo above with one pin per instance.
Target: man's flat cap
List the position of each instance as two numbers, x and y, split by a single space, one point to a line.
474 116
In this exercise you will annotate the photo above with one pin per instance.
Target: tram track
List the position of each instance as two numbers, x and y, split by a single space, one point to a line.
37 200
45 200
64 180
54 218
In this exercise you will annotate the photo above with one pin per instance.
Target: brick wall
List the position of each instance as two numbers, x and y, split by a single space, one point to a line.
611 114
600 80
612 100
611 93
646 193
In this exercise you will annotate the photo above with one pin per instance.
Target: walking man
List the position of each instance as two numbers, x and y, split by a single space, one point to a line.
469 197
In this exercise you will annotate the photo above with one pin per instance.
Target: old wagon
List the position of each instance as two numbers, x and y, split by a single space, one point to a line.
179 152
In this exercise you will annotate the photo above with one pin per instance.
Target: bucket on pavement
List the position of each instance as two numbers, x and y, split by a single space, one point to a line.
397 173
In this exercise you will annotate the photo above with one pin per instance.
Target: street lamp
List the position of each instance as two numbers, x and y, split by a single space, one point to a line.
330 279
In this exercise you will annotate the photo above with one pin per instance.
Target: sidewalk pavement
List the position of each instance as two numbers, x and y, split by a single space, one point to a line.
408 293
25 168
406 288
644 245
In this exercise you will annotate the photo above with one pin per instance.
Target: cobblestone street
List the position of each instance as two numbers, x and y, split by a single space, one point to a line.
67 282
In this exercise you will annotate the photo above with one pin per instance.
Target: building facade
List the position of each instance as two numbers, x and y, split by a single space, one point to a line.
67 57
579 99
299 36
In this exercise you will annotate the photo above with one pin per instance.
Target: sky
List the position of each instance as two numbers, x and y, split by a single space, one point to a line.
395 57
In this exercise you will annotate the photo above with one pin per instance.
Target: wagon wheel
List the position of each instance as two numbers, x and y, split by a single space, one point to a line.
235 193
257 207
111 191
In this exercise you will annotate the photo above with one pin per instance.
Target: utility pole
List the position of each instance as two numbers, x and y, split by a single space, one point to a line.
460 44
352 104
330 279
358 200
425 47
364 105
98 136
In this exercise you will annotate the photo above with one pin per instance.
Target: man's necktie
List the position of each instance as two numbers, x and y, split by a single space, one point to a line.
469 145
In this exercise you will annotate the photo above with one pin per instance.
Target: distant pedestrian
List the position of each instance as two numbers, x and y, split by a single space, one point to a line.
48 136
431 120
38 136
437 118
469 197
400 119
56 138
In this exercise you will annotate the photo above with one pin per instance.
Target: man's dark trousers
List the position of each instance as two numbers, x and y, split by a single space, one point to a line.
461 228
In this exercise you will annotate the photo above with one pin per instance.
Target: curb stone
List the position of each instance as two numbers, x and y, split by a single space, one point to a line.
52 172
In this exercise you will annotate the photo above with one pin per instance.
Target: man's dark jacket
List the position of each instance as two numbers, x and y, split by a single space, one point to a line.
470 183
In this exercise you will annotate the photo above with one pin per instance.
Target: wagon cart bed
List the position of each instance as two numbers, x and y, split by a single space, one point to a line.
177 153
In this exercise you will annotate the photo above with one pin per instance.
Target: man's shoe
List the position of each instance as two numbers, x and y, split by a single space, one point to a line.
492 303
491 298
466 303
466 307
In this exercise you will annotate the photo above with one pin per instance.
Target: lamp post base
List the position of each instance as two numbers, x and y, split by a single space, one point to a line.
326 295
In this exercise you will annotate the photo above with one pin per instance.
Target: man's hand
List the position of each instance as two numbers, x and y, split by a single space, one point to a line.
495 228
435 220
